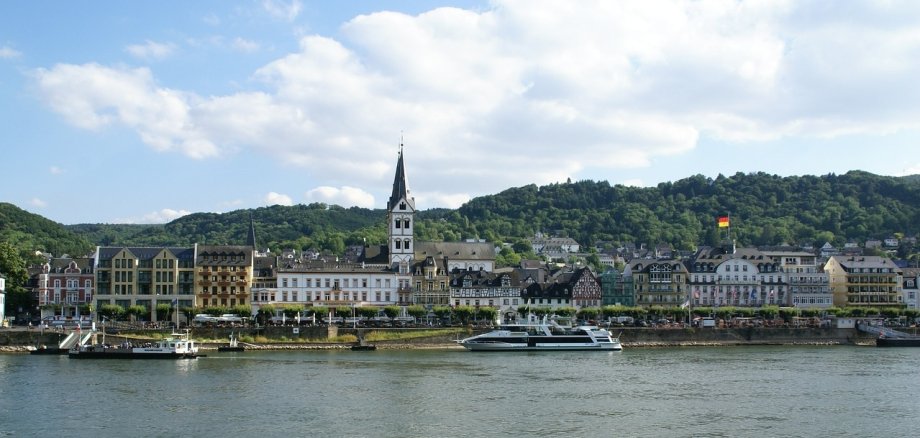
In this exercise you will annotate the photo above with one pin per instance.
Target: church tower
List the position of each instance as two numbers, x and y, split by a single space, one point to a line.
400 219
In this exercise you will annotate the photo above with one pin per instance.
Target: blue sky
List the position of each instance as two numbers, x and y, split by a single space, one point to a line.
140 112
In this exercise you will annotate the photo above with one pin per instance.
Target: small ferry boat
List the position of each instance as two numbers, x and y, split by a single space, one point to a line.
177 346
543 336
234 345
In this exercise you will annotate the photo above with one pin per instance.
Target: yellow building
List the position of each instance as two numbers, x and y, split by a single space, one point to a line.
223 275
869 281
145 276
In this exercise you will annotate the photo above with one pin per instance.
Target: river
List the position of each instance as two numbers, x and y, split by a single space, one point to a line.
700 391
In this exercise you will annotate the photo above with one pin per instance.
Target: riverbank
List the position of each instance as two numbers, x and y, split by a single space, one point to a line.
20 341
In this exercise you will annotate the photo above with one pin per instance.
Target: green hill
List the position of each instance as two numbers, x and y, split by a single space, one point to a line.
29 232
765 210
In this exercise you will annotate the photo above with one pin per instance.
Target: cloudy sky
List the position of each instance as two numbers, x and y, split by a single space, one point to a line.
141 112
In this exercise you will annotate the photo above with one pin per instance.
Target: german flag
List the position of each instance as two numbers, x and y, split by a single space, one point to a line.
723 221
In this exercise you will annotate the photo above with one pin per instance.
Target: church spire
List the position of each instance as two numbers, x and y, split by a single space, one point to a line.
251 238
400 184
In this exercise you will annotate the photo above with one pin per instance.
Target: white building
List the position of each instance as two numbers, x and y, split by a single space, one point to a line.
807 282
330 284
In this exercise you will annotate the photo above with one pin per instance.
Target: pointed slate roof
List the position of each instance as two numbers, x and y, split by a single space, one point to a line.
400 185
251 238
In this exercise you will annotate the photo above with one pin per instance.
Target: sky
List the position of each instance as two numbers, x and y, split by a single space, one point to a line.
141 112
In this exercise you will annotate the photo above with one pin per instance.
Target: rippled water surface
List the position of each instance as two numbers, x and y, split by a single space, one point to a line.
729 391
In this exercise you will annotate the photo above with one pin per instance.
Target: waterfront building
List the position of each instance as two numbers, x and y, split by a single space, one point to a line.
333 284
658 282
730 276
586 288
499 290
552 295
145 276
910 289
65 287
224 275
264 281
430 279
616 289
806 281
864 281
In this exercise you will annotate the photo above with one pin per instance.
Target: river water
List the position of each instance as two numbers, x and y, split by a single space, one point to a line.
699 391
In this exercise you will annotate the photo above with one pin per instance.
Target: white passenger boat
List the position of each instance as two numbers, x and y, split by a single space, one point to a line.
543 336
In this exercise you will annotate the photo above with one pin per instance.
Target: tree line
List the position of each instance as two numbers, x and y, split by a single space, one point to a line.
765 210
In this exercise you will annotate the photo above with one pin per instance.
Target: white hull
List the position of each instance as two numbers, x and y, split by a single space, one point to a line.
543 337
548 346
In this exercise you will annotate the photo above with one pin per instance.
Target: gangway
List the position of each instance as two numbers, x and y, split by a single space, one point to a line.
75 338
884 332
70 341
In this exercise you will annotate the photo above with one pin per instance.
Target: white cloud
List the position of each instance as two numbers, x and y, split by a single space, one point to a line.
528 91
7 52
92 96
38 203
54 170
447 200
211 20
281 10
155 217
911 170
345 196
633 183
150 50
273 198
244 45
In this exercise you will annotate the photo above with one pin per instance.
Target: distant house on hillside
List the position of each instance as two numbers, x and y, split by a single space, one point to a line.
828 250
554 247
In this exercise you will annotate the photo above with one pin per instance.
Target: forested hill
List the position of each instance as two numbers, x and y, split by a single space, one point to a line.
765 210
301 226
30 232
